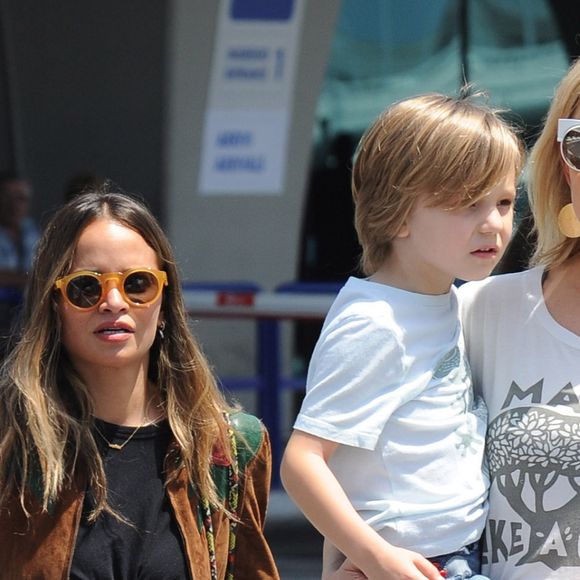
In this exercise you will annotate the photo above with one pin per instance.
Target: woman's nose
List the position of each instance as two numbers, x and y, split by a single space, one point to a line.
113 299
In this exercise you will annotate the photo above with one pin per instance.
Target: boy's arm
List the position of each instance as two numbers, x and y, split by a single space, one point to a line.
335 566
312 485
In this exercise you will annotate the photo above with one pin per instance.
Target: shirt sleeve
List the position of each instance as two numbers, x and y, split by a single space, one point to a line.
354 381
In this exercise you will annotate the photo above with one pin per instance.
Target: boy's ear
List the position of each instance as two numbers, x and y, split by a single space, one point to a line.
405 228
403 231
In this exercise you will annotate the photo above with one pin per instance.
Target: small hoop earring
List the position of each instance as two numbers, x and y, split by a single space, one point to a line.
568 223
161 328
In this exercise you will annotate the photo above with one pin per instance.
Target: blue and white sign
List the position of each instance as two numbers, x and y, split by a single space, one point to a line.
244 151
247 119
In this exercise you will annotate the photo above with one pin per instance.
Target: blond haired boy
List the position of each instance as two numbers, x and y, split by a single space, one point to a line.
387 452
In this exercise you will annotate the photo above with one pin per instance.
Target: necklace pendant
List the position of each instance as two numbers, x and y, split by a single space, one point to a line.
115 445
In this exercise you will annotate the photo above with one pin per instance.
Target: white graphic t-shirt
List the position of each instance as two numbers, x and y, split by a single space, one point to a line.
528 369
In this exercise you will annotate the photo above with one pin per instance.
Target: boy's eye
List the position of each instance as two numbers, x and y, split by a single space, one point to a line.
505 205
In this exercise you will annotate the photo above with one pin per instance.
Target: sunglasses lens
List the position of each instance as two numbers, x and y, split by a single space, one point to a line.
141 287
571 148
83 291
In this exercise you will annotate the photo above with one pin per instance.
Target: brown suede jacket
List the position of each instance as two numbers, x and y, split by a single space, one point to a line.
42 547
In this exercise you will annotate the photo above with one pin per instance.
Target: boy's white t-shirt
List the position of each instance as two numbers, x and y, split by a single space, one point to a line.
528 369
389 382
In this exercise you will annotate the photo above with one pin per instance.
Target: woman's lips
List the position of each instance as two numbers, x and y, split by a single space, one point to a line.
114 331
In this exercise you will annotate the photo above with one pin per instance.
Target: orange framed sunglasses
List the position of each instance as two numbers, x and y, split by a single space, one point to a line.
139 287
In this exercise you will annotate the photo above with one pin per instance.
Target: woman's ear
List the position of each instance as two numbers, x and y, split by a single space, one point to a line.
565 171
161 325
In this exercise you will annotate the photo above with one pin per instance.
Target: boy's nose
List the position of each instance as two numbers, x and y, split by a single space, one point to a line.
493 221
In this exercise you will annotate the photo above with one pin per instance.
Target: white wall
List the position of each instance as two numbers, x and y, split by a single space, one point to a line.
248 237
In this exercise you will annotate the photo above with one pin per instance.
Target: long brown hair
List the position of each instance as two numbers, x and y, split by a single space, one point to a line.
45 408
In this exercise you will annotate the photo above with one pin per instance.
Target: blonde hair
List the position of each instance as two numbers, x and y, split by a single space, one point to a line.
452 149
548 190
45 408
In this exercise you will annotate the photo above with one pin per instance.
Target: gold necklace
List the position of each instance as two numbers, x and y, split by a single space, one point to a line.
119 446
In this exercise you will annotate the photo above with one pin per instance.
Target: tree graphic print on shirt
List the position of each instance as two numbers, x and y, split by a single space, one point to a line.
534 459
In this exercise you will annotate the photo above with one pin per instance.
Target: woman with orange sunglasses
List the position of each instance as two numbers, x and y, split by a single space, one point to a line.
119 457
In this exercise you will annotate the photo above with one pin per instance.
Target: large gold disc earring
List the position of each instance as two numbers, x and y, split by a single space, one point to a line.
568 222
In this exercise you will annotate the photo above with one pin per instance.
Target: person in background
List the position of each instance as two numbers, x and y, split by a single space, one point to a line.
18 232
386 454
523 340
119 457
18 237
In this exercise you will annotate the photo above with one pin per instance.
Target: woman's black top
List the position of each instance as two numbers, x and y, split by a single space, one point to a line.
150 546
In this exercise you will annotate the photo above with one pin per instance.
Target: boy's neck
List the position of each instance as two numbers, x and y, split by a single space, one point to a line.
397 273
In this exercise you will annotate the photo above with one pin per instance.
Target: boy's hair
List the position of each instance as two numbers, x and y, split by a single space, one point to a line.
453 150
549 191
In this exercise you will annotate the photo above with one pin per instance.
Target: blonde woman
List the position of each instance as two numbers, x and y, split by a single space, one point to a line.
119 458
523 339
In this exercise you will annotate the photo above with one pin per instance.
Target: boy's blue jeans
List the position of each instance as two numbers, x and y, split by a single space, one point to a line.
465 563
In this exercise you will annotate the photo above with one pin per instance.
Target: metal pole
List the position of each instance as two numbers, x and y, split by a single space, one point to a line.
464 42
